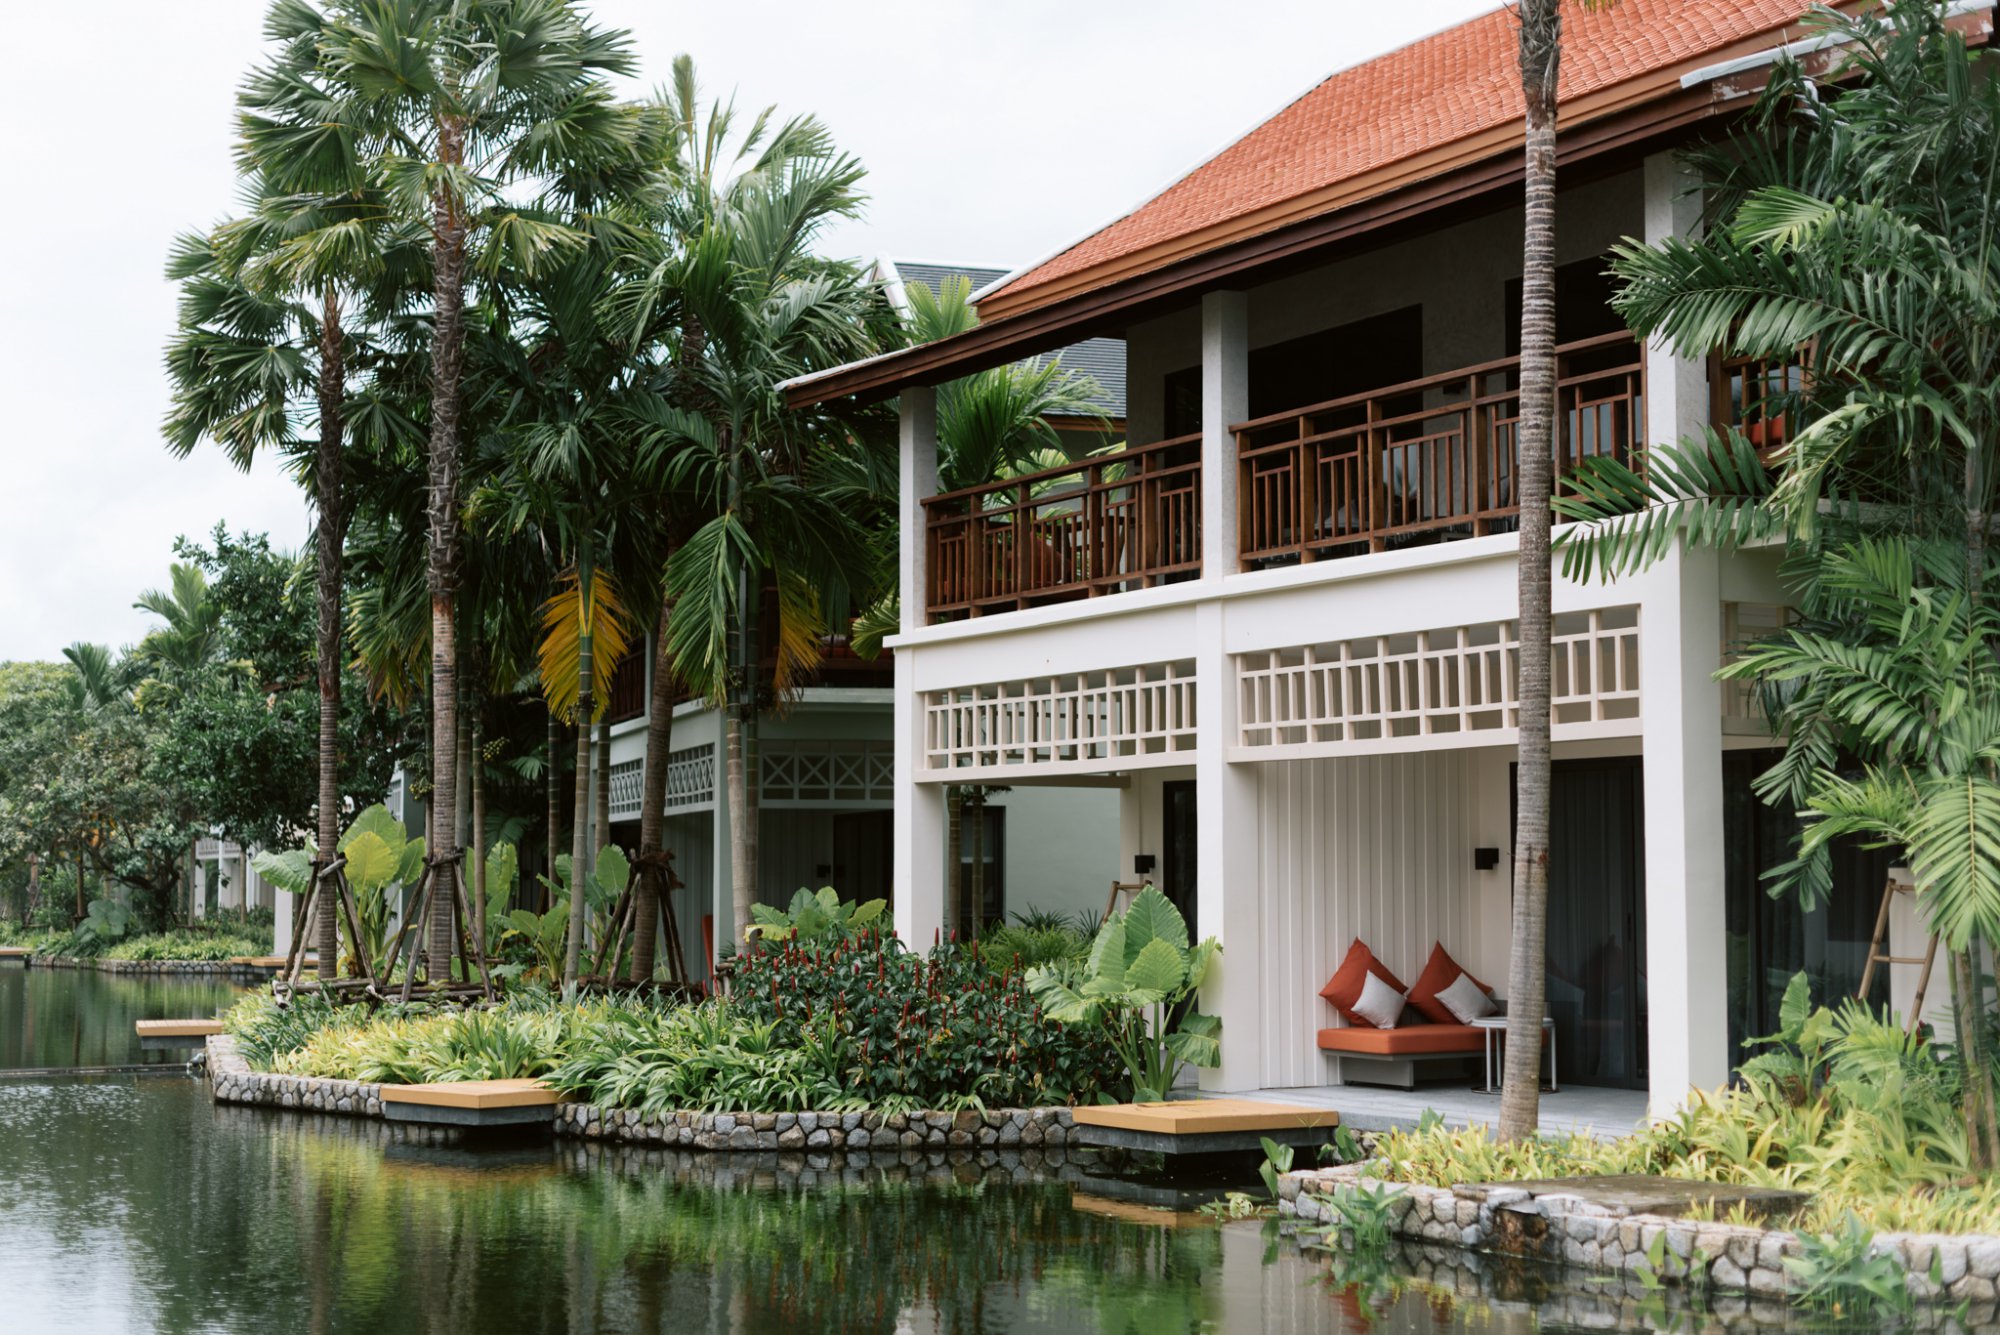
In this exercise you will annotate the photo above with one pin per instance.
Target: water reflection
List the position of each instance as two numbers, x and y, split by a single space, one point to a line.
133 1204
80 1017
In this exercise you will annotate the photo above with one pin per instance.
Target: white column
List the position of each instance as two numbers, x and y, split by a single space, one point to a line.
1225 400
1680 647
1226 865
1226 870
918 869
281 921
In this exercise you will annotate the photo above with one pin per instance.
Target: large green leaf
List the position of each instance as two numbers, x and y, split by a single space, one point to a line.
371 864
1159 968
1200 960
1107 952
1198 1040
614 871
290 870
377 821
410 862
1153 917
1057 999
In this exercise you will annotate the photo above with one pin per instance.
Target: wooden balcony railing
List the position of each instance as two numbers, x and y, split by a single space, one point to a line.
1425 460
1124 521
627 698
1758 396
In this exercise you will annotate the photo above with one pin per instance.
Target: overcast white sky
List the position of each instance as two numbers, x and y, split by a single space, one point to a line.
993 134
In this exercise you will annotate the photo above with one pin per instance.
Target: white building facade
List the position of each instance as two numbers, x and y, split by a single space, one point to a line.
1281 629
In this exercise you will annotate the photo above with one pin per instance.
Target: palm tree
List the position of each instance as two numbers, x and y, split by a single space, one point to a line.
191 640
263 338
1541 59
99 680
465 110
1852 250
992 424
733 298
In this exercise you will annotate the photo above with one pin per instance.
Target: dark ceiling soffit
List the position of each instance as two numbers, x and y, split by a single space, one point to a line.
1107 310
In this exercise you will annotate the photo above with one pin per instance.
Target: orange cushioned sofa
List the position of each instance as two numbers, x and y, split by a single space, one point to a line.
1427 1031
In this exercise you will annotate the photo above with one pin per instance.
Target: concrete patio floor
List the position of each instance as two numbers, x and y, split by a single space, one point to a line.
1605 1113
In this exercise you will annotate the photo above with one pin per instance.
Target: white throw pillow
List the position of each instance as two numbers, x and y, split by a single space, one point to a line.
1380 1004
1467 1000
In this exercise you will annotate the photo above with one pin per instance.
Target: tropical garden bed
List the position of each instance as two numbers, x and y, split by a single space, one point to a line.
1843 1106
826 1016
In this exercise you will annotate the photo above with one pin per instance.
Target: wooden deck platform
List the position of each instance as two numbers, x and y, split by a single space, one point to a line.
472 1103
158 1034
15 952
1203 1126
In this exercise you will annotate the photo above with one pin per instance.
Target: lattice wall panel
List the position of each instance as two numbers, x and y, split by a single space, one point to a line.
691 777
1085 722
1448 687
828 772
628 789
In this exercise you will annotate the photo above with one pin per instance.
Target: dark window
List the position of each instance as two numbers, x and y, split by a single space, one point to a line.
1353 358
982 866
1583 304
1770 940
864 843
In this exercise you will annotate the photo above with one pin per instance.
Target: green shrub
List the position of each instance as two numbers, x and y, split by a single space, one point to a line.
1021 946
939 1030
1138 987
181 944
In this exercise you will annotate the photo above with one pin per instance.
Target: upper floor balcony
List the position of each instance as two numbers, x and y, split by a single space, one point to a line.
1420 462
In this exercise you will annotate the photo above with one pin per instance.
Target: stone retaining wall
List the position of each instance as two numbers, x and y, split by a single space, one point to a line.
999 1128
1569 1230
151 966
230 1080
1552 1297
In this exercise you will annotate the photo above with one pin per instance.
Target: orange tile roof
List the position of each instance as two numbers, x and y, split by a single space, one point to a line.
1397 107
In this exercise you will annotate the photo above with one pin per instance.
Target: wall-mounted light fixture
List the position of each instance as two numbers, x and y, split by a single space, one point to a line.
1143 863
1485 859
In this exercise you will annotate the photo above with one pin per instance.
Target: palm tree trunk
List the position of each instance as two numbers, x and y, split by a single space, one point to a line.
579 840
1965 991
579 848
477 778
741 895
1520 1093
331 544
603 792
448 246
554 787
653 804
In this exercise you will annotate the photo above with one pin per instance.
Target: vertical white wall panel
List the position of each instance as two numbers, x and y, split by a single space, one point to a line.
1375 847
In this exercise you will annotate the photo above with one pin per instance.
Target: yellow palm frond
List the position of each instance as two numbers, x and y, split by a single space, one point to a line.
801 634
565 618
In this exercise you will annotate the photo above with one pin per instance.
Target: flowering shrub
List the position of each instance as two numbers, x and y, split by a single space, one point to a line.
932 1031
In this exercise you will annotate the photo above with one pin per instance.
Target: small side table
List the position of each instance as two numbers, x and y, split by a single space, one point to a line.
1495 1027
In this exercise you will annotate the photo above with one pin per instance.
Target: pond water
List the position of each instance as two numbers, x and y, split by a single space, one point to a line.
134 1204
80 1017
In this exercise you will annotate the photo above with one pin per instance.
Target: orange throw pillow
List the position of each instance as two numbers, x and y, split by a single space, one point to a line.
1344 988
1439 973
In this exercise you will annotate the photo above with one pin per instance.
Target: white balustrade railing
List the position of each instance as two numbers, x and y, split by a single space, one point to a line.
1456 686
1079 722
